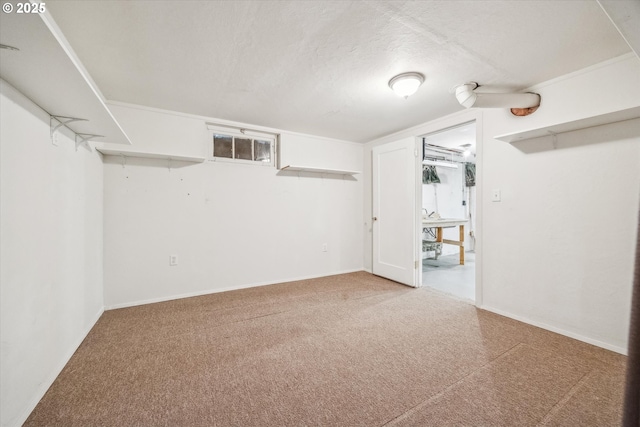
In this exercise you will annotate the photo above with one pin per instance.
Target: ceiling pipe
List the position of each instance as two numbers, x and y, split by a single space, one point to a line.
521 104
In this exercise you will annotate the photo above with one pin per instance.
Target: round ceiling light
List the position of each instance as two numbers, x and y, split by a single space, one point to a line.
406 84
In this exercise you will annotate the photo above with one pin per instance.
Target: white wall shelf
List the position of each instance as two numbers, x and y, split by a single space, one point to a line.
164 156
47 71
318 170
603 119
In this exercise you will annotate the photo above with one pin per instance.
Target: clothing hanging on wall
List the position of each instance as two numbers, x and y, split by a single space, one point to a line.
470 174
430 175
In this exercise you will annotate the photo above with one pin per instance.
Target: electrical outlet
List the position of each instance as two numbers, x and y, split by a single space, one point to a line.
324 247
173 260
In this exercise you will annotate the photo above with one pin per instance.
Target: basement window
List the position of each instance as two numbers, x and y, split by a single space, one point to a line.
241 146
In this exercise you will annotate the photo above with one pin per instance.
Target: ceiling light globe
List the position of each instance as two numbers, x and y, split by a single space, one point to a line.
406 84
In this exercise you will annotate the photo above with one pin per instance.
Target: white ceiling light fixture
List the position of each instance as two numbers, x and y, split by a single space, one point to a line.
406 84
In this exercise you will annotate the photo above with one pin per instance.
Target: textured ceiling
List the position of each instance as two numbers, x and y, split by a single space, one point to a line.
322 67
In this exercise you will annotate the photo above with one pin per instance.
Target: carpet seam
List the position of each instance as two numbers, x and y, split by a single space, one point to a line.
441 393
296 309
563 401
362 354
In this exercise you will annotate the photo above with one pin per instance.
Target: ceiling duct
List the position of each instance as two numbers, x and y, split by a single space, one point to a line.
521 104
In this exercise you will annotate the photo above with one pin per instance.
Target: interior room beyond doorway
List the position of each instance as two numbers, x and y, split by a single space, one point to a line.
448 211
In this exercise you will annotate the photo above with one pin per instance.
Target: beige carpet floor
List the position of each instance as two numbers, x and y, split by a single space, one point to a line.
346 350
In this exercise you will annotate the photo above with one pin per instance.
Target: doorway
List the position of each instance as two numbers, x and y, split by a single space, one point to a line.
448 230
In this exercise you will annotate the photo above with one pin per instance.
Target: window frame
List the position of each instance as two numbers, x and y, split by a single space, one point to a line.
244 134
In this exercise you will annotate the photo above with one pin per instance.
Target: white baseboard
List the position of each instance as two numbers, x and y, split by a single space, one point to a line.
557 330
225 289
46 384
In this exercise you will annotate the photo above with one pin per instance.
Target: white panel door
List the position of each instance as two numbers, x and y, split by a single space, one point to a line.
394 211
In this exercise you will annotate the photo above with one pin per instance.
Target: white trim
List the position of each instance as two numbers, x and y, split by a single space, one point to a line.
479 237
324 138
206 119
230 123
557 330
441 123
417 213
212 160
582 71
225 289
239 131
44 386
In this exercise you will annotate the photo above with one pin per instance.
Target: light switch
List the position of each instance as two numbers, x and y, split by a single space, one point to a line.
495 195
173 260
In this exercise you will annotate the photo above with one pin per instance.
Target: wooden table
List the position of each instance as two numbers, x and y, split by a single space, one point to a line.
441 223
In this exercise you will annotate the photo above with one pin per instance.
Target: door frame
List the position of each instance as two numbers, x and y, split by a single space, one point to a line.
440 125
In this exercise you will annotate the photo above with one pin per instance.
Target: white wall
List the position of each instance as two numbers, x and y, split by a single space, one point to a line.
231 225
315 152
157 131
51 252
558 250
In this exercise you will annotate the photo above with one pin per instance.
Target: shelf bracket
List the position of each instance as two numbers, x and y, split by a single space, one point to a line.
61 121
84 138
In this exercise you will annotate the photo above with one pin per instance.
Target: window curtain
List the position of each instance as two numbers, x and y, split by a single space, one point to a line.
631 414
429 175
470 174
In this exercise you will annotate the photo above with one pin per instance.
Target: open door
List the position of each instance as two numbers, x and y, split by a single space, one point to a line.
394 220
